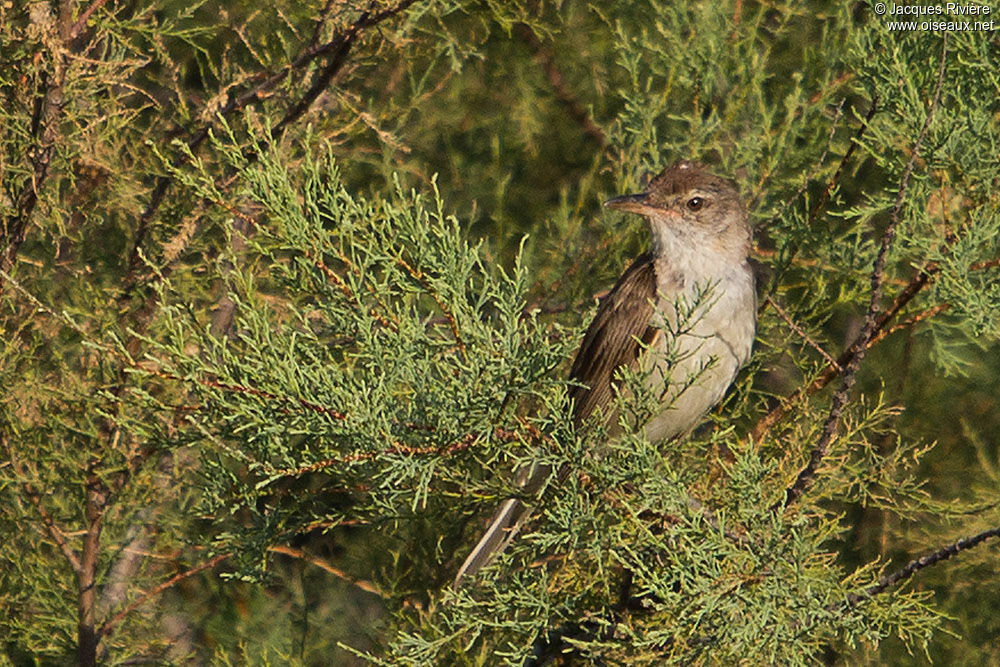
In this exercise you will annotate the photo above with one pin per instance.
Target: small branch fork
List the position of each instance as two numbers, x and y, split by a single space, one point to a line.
423 281
868 332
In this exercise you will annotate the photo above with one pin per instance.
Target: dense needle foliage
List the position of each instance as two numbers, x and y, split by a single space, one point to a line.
287 294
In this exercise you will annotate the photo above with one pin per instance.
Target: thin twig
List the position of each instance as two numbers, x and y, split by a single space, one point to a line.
81 21
45 128
911 321
366 586
821 202
831 425
737 14
802 334
112 622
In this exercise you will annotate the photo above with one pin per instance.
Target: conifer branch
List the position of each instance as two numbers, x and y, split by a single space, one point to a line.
48 108
422 280
337 49
882 329
867 334
801 333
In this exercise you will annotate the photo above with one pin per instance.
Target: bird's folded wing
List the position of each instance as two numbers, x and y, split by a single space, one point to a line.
622 320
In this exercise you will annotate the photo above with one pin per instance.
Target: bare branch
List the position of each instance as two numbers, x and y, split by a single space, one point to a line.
366 586
112 622
914 566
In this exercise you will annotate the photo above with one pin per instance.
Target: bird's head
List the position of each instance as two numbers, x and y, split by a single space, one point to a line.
689 208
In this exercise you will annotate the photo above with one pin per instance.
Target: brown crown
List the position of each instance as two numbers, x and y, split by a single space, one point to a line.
684 176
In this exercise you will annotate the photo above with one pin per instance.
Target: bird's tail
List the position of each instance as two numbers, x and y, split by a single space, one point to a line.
496 538
504 526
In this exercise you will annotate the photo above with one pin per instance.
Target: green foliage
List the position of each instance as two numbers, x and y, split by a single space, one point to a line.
288 293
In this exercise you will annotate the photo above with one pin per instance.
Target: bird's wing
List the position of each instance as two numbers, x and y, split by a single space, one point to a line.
622 320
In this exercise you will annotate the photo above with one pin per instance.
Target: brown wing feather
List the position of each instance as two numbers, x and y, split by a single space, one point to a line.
610 342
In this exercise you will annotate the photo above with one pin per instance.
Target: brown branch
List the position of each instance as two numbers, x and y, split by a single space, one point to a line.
737 13
918 564
985 264
54 531
265 394
96 495
45 128
821 202
911 321
864 338
112 622
263 84
81 21
366 586
340 47
346 291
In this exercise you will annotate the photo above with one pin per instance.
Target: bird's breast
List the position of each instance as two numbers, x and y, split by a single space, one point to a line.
707 327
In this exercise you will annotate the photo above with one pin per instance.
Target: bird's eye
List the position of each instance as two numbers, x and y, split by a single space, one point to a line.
695 203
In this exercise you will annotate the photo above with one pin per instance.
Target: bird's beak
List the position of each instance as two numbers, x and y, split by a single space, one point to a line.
630 203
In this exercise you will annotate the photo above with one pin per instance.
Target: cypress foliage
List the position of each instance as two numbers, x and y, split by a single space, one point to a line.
288 293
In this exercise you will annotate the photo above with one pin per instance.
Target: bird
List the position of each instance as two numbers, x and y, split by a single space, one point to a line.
683 314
